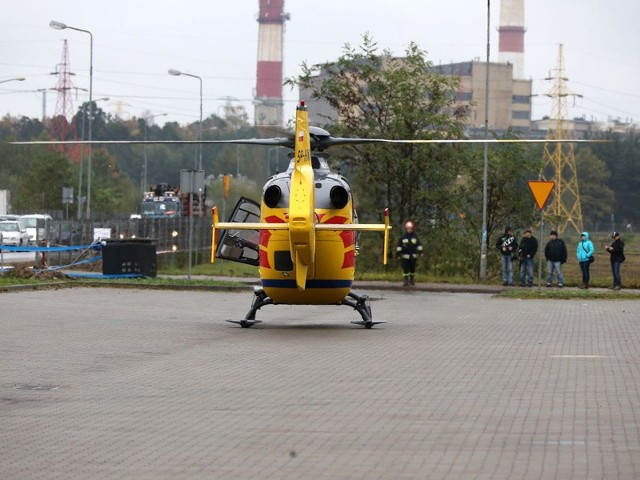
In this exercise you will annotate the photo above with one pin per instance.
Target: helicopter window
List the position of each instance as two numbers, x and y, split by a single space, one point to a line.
283 261
241 245
315 162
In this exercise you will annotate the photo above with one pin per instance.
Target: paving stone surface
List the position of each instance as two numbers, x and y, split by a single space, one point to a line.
108 383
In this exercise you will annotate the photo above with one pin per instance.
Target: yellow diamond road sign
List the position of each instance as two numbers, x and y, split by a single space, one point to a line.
541 191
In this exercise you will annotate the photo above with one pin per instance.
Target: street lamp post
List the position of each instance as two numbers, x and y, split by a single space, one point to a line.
81 174
62 26
177 73
144 173
485 170
17 79
198 163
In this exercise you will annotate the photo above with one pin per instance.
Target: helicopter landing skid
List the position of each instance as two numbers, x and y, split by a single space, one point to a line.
260 300
361 304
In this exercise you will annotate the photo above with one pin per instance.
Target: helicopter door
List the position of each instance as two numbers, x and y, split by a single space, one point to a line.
241 245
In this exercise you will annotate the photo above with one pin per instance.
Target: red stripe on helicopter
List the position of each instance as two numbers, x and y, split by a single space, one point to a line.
265 235
337 219
348 238
349 259
263 256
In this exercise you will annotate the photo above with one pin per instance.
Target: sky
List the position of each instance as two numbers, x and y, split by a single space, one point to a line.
136 42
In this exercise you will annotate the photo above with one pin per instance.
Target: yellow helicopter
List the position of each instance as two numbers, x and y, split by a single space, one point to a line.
304 241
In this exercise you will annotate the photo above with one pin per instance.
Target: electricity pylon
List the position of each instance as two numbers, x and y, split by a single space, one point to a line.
559 161
62 127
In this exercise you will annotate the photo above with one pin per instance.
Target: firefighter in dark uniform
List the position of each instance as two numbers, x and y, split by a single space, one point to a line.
409 247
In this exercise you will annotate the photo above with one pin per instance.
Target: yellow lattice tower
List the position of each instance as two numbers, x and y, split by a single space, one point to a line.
559 161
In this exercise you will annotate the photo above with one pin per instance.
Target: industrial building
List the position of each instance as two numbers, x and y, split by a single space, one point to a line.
509 98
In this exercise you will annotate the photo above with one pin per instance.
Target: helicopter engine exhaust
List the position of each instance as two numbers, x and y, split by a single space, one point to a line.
339 197
272 196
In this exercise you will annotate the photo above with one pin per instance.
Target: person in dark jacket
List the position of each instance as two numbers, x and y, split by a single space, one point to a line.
616 250
508 246
527 251
409 247
555 252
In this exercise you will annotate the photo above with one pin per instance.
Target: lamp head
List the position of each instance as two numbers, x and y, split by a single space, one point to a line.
57 25
173 71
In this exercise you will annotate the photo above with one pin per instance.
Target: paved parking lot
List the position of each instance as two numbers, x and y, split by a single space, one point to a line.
110 383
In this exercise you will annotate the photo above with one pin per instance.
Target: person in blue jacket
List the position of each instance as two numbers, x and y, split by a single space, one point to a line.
584 253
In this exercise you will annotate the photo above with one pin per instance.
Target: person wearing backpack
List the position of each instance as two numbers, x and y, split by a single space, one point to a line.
584 253
616 250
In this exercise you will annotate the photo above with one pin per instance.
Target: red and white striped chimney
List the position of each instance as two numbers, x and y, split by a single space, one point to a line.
268 97
511 35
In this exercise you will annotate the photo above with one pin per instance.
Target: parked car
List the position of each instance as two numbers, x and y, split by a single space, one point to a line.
13 233
38 226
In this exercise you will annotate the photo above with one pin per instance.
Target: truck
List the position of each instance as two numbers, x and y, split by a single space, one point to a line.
165 201
162 201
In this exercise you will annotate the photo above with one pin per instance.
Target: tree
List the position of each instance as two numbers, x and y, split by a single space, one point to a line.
112 192
376 95
622 156
40 186
596 198
509 200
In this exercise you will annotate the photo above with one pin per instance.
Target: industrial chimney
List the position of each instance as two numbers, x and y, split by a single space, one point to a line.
268 98
511 36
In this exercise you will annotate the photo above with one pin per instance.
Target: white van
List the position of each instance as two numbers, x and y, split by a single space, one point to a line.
38 227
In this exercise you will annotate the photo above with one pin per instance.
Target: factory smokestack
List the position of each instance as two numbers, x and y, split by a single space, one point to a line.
268 98
511 35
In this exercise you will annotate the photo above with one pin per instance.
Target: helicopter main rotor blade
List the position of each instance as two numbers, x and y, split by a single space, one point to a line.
281 141
320 142
332 141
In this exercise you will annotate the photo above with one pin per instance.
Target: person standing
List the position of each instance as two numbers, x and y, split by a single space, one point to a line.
508 246
616 250
584 253
409 247
555 252
528 250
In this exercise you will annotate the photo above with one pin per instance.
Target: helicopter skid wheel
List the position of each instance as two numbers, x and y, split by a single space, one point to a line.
245 323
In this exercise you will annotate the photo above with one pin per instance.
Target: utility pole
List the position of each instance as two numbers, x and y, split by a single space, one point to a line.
559 161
